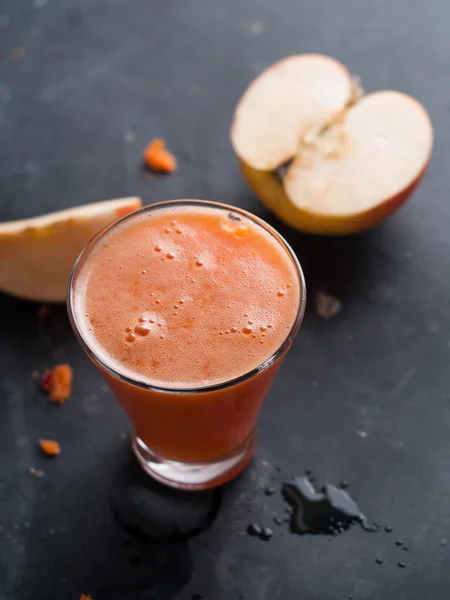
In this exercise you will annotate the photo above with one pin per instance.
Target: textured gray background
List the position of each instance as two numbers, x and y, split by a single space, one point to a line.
364 397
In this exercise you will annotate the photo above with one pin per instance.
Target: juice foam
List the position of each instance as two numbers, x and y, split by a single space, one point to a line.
187 296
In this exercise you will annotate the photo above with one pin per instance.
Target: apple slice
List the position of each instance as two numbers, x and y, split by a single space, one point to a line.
289 99
37 255
346 174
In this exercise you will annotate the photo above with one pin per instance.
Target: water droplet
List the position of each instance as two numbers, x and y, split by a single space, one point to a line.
399 543
161 336
158 248
254 335
233 217
152 320
220 332
181 301
170 255
401 565
262 328
379 561
127 329
173 223
388 529
246 329
245 315
270 491
289 285
250 322
159 324
142 330
179 231
280 293
269 326
144 271
227 331
233 330
141 319
263 533
199 263
168 230
176 307
130 337
330 511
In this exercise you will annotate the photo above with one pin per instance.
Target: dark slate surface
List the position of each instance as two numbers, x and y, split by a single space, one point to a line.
364 397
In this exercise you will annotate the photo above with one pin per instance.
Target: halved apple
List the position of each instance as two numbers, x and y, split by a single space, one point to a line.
37 255
323 157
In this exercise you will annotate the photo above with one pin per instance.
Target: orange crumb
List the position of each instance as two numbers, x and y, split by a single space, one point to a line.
18 53
156 157
43 311
61 384
50 447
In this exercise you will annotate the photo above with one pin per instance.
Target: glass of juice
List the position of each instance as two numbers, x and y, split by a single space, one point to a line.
188 309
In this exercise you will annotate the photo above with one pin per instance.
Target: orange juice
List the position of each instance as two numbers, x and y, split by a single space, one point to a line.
188 309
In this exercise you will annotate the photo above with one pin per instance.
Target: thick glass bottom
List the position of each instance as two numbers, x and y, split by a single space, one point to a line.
194 476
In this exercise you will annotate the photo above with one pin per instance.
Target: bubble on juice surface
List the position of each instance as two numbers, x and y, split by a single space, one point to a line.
127 329
130 337
167 230
247 329
241 231
280 293
198 263
142 330
158 248
170 255
179 231
233 330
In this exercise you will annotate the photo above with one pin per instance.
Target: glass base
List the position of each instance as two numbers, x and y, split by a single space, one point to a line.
194 476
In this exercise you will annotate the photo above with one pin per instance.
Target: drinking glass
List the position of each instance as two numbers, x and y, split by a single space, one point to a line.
198 437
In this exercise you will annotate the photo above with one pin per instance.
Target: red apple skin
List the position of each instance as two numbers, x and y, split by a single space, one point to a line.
269 189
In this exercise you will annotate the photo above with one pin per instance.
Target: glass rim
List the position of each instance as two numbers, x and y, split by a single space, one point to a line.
84 254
